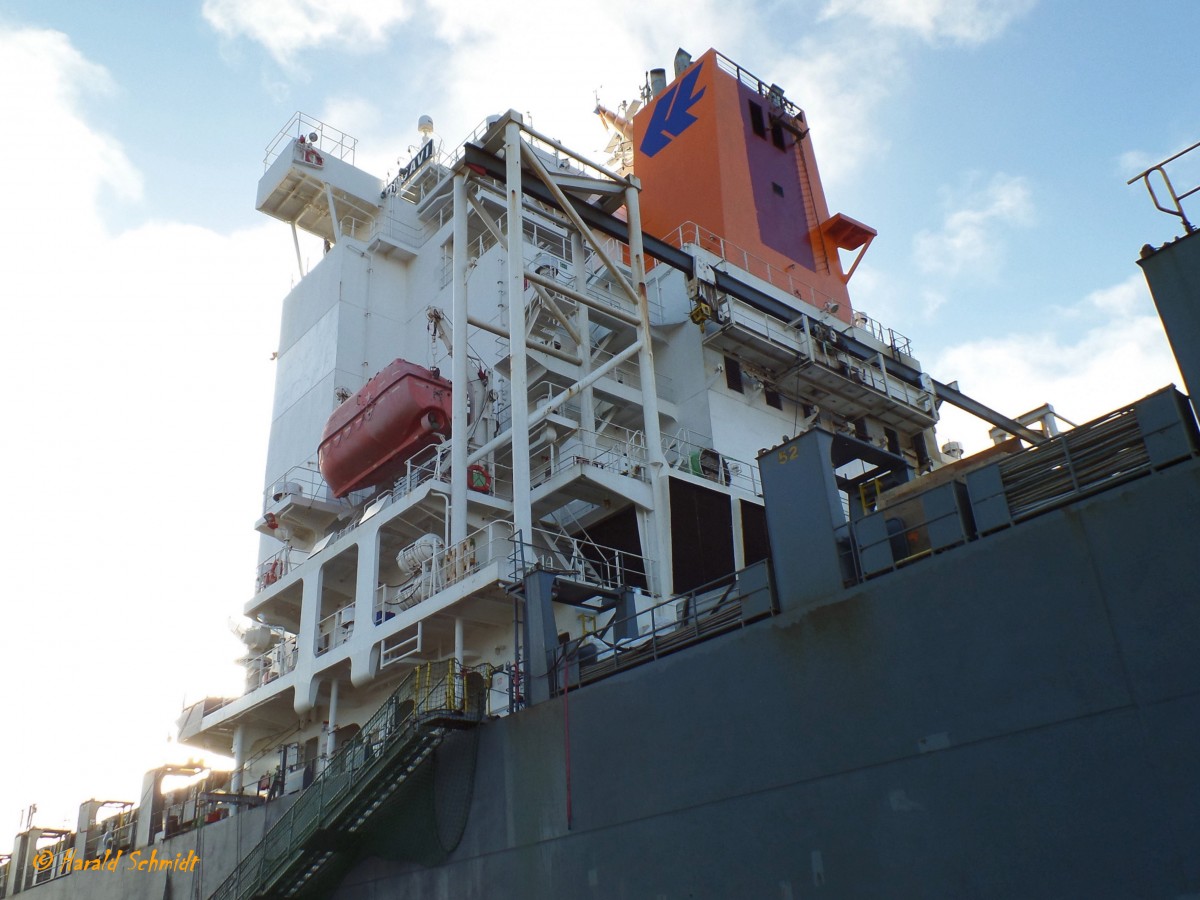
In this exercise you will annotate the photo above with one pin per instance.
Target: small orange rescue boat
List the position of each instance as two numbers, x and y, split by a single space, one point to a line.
369 438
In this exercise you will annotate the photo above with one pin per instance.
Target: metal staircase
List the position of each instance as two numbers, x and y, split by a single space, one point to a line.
311 847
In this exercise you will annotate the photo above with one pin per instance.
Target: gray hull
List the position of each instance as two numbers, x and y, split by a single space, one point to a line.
1017 717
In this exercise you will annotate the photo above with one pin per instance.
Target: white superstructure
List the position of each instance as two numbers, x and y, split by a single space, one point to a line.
637 396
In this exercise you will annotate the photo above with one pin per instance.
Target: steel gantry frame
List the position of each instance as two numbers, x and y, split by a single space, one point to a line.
511 143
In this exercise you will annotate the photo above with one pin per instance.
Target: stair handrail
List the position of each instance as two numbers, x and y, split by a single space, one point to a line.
326 797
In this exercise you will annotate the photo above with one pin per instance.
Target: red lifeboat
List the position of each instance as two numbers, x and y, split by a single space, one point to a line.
368 439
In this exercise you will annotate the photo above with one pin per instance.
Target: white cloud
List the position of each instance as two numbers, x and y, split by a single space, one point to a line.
285 27
957 21
931 302
1134 162
841 79
59 156
382 141
486 73
840 76
1129 298
970 237
480 63
139 384
1119 356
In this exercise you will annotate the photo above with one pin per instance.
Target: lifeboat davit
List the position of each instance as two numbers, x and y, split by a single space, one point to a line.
369 438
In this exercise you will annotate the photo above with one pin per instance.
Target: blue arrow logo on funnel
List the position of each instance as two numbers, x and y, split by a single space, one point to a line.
671 117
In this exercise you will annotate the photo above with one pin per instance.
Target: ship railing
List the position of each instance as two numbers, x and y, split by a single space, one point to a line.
556 160
789 338
548 240
475 136
476 248
430 698
429 464
581 558
123 831
616 449
657 629
602 287
689 233
360 229
402 646
444 214
824 344
426 180
193 714
304 480
270 747
770 92
330 141
603 292
444 568
910 534
1080 462
898 343
684 455
497 483
423 183
391 226
5 868
1075 463
113 833
654 299
578 557
569 159
1174 199
542 237
335 629
433 172
276 566
60 847
271 665
195 806
628 373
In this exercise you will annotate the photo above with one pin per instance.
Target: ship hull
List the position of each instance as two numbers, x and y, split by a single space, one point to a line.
956 728
1017 717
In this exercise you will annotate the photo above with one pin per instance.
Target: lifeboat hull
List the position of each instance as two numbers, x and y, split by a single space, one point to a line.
369 438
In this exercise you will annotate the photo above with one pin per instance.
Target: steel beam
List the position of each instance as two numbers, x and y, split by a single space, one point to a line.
482 161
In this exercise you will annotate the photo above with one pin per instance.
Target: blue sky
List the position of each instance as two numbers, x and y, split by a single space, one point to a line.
988 142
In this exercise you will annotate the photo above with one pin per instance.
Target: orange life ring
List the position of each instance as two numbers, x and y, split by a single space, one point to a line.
479 479
274 573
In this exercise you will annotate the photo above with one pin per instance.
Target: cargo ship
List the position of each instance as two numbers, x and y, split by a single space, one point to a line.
608 550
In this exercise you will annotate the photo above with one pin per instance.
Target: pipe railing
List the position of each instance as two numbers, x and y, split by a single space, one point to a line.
271 665
698 459
443 568
1176 199
428 696
330 140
